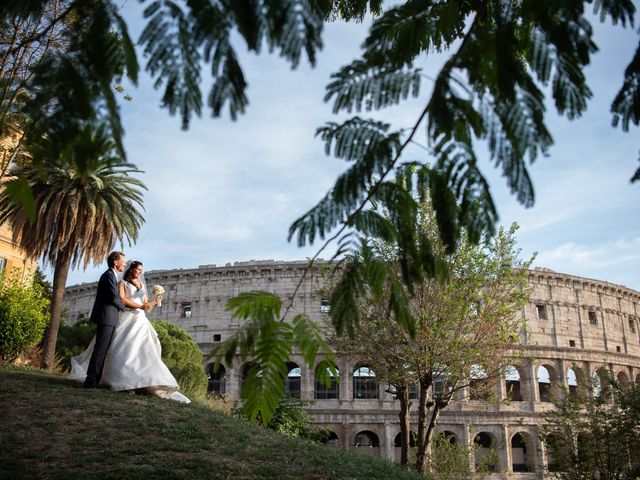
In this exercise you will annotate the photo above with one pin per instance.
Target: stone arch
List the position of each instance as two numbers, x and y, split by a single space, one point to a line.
244 371
479 385
217 379
366 441
327 392
600 385
623 379
485 457
331 439
413 440
522 453
365 385
513 383
638 379
548 382
449 435
575 381
293 382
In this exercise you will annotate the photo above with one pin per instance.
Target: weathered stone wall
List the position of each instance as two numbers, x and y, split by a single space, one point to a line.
572 323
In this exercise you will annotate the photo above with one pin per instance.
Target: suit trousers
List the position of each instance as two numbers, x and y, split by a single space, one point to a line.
104 335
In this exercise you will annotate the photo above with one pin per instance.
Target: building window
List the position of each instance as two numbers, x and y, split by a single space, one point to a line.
217 337
364 383
541 312
3 264
632 325
593 318
327 392
618 349
572 343
325 307
293 381
185 310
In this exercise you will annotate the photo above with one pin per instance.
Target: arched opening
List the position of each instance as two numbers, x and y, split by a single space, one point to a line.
485 458
364 383
601 388
366 442
572 382
544 384
521 453
479 386
513 384
324 391
623 380
217 379
293 381
248 368
331 439
413 440
449 436
413 391
638 379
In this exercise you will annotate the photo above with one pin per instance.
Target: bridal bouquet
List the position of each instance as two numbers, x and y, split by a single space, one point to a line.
157 290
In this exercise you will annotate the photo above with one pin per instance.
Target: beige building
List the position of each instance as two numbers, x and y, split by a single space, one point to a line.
576 327
12 257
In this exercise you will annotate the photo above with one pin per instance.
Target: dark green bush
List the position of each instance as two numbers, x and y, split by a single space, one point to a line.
23 316
183 357
73 340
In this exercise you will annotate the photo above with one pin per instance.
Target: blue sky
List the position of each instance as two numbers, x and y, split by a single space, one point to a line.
227 191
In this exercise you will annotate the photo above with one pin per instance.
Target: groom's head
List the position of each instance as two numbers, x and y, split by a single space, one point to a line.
115 260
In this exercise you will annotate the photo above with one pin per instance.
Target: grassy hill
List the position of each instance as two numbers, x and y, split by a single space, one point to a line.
51 428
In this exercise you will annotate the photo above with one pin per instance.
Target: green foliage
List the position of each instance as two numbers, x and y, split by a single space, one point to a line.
73 340
23 315
183 357
269 342
448 460
291 420
590 438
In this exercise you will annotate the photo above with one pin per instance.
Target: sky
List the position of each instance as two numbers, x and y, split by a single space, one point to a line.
226 191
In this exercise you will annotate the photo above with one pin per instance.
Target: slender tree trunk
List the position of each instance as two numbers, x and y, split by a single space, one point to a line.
405 426
429 435
423 409
63 262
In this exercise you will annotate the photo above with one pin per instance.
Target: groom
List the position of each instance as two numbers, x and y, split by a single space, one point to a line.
105 314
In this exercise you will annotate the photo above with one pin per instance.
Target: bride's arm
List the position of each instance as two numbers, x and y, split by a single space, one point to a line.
123 297
148 306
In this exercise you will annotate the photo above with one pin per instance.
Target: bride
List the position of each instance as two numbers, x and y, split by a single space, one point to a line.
134 358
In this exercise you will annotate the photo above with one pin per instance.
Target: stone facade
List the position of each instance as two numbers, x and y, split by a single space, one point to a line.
575 327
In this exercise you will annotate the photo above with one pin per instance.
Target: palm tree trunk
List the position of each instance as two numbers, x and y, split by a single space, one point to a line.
63 262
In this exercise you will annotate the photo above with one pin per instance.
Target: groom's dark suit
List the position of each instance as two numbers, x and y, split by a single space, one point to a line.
105 315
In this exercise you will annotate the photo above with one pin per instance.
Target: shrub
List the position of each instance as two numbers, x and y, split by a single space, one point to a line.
183 357
291 420
73 340
23 316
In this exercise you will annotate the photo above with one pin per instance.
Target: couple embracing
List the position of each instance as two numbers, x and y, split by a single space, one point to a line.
125 354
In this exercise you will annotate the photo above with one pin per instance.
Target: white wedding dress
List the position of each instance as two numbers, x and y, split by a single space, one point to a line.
134 359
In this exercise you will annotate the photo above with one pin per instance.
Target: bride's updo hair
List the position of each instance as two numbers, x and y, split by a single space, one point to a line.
128 274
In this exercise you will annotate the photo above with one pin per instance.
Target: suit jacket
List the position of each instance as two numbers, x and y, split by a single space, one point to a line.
107 304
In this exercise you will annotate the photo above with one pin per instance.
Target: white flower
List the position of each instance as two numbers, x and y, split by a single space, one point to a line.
157 290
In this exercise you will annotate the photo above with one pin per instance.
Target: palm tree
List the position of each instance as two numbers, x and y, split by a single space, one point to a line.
84 201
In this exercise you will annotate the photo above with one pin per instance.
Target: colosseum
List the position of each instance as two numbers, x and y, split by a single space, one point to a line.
576 328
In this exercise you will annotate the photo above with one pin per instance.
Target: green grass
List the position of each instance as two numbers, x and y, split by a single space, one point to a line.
51 428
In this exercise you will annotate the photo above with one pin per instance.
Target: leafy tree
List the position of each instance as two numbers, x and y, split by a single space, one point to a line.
85 200
270 343
468 320
586 437
24 43
23 315
183 357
